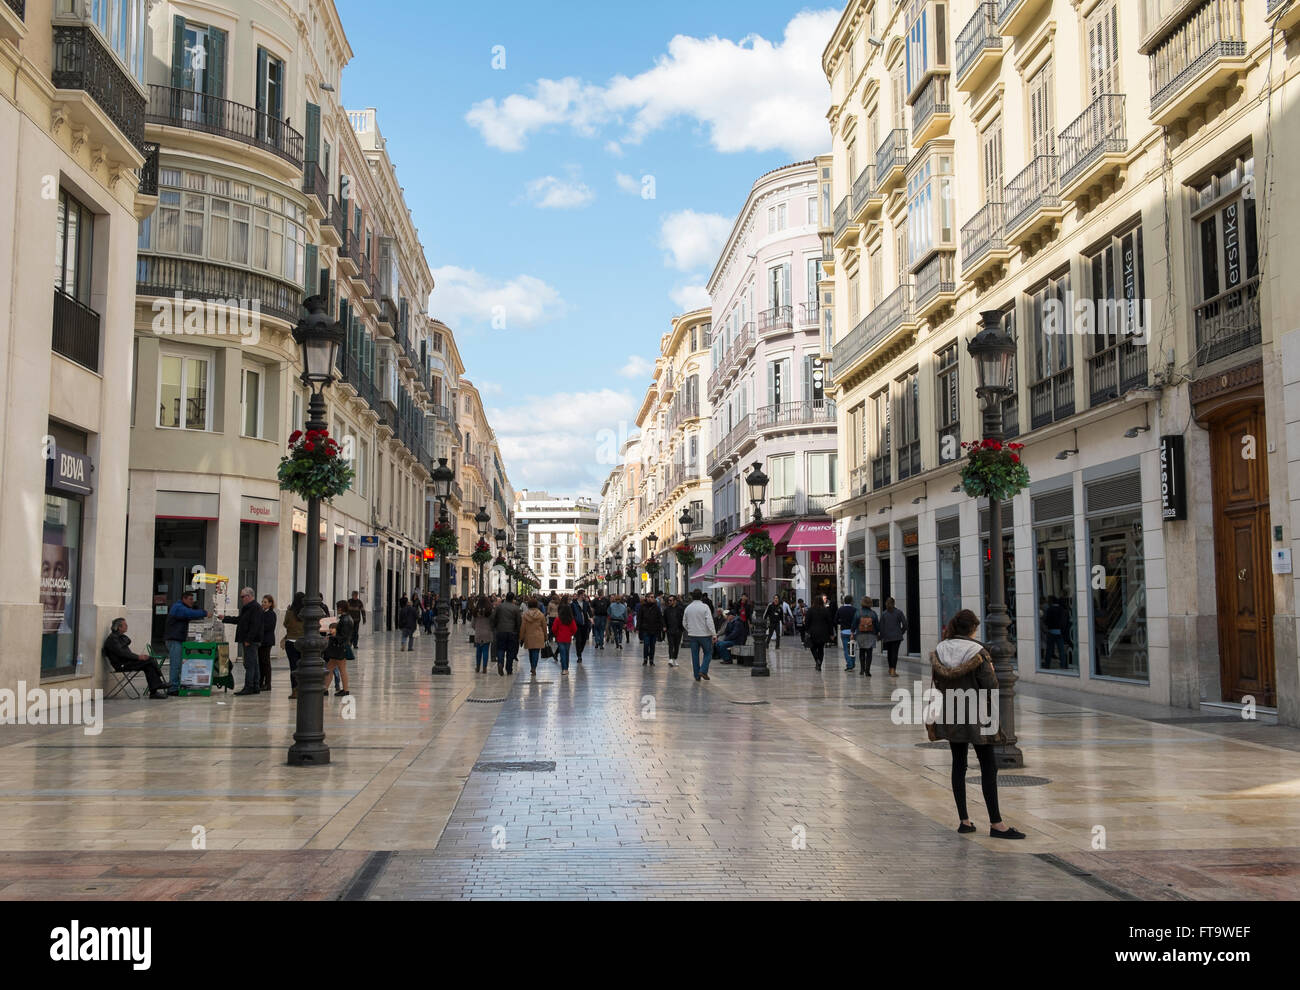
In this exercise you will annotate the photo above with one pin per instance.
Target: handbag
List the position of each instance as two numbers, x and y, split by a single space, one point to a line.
548 652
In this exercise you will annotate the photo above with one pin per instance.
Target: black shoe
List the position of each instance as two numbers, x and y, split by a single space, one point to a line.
966 829
819 666
1010 833
342 694
644 662
159 695
173 692
652 663
239 694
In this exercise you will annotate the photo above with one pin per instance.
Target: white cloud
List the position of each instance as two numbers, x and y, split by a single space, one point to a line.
637 367
749 95
690 297
693 239
562 442
550 193
628 183
464 295
614 148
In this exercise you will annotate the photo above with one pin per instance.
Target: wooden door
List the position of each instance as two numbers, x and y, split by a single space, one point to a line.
1243 571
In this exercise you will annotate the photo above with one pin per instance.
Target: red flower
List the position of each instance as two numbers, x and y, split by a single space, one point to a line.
1015 458
309 446
295 436
324 433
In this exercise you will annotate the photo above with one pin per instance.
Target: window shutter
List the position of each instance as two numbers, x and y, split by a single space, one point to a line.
312 146
313 270
785 286
261 80
215 78
178 52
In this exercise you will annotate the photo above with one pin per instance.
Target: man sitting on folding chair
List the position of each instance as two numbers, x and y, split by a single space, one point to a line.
117 651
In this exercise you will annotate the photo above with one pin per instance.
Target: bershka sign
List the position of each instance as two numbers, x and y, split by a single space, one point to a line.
1173 490
77 944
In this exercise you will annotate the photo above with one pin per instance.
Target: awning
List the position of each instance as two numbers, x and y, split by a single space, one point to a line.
813 536
739 567
718 557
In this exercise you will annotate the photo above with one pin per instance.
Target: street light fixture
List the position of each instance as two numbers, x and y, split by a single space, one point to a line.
484 522
319 338
757 482
443 477
994 353
687 523
653 540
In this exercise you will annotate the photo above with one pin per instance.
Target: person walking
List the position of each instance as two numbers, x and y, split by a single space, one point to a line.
582 616
357 609
336 653
650 623
408 618
293 631
800 618
819 629
774 616
618 619
846 619
674 628
268 641
564 629
248 634
893 627
176 632
507 620
961 669
483 636
697 621
532 634
599 620
868 625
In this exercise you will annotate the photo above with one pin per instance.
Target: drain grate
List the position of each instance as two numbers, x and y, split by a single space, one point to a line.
1014 780
751 702
875 704
536 766
485 701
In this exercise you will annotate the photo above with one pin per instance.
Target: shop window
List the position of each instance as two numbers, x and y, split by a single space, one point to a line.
1119 613
1055 583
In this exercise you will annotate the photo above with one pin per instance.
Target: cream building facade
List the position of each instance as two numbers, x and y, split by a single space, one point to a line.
77 178
558 537
621 512
486 486
1105 176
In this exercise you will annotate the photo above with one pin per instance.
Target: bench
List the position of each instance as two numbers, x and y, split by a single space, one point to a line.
743 655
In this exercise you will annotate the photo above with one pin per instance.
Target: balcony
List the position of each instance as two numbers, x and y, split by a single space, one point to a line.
792 415
936 284
909 460
882 331
1118 369
75 331
226 287
13 16
979 48
95 95
1202 55
983 246
810 314
193 111
866 203
891 161
714 384
740 350
1033 200
1290 14
1011 416
1052 399
778 320
931 111
845 232
147 184
316 186
387 316
1228 323
732 443
1015 16
349 250
1093 148
333 226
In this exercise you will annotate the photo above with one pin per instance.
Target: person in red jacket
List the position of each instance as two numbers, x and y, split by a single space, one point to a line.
564 629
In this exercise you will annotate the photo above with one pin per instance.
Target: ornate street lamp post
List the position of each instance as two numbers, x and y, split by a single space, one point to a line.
631 566
499 537
757 482
320 339
484 522
995 354
653 540
443 476
687 523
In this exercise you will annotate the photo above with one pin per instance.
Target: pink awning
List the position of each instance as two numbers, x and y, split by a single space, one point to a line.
813 536
741 567
718 557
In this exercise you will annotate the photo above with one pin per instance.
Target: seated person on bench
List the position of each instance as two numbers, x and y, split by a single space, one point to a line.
734 635
117 651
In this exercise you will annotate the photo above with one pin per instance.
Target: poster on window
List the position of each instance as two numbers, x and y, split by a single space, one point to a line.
59 540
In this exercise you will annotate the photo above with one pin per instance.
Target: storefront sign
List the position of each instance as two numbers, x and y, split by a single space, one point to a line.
823 563
370 541
882 545
300 521
259 511
911 539
1173 493
340 536
68 472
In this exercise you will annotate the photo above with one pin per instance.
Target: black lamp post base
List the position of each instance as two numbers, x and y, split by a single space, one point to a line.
309 755
1008 756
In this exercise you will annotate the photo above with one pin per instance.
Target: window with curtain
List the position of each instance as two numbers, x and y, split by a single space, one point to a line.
822 470
183 392
74 248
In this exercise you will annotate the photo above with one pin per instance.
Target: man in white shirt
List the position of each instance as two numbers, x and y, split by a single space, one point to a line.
698 623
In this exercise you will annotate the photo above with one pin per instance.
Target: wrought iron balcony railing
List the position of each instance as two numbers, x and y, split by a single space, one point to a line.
1215 30
75 331
805 412
935 278
776 320
314 183
225 118
1052 399
1037 187
842 217
978 36
82 62
893 154
932 101
1117 370
148 172
1228 323
1100 130
161 275
981 235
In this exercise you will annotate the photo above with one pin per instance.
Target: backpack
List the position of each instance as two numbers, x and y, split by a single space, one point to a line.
866 625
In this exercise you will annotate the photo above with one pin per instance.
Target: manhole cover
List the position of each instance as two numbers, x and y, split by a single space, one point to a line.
875 704
1014 780
538 766
751 702
485 701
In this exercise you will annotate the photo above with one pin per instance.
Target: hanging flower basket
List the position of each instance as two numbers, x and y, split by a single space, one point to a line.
758 544
443 540
500 561
631 570
685 555
993 470
652 567
313 467
482 552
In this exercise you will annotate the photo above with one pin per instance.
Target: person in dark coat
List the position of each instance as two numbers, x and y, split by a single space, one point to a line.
962 675
774 616
268 641
118 653
893 627
248 634
674 627
650 624
819 629
408 618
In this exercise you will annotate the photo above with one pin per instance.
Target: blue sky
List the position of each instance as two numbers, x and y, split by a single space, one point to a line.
527 184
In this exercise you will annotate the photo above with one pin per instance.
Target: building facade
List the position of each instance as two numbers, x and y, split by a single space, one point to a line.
620 514
558 537
78 177
1102 175
486 487
769 389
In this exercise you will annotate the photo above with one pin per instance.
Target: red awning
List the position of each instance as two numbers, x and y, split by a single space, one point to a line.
813 536
740 567
718 557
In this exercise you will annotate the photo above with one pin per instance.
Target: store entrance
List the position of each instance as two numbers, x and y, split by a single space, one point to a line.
180 545
912 563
